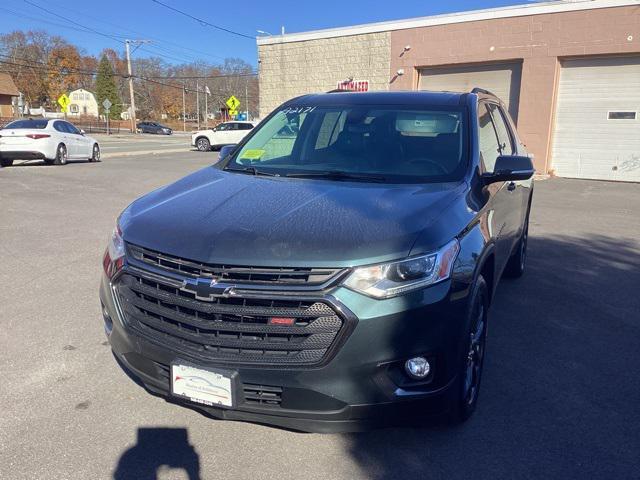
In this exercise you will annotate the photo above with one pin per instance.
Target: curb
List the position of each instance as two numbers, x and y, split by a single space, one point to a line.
144 152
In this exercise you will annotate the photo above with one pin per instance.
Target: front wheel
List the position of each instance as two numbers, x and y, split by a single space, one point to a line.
61 155
467 387
203 145
95 155
516 264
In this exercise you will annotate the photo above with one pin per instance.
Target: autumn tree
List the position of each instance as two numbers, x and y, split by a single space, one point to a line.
106 88
28 54
63 70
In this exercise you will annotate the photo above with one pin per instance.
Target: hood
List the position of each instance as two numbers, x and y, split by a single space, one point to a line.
214 216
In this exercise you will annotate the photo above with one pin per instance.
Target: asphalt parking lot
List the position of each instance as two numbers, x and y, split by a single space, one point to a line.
560 391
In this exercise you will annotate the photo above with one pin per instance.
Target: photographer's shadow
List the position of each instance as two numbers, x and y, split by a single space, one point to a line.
156 448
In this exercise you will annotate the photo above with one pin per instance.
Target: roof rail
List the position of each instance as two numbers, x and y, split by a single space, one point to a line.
482 90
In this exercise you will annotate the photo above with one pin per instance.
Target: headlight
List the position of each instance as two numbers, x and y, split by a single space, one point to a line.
114 255
390 279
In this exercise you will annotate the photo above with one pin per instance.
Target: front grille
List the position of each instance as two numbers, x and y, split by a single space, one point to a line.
273 276
232 329
263 395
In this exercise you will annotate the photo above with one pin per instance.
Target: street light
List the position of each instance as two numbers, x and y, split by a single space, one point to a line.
262 32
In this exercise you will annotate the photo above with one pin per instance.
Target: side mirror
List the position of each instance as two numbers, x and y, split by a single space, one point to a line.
82 132
510 168
226 151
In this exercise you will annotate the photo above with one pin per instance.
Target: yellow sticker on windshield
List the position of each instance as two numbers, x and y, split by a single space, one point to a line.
254 154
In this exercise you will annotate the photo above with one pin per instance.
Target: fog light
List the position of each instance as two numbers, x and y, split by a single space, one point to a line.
417 367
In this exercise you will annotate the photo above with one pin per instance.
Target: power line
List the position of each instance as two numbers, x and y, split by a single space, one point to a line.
114 37
203 22
88 29
155 39
71 70
85 29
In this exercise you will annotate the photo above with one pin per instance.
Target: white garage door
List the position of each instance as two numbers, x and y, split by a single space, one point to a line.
597 123
501 79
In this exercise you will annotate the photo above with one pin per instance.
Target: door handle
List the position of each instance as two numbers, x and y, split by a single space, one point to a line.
511 187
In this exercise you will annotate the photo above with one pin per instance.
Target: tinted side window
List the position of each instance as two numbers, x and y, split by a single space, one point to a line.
60 127
504 137
72 129
245 126
489 148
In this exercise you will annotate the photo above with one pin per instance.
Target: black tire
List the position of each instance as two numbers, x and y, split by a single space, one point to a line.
517 262
95 155
472 352
6 162
61 155
203 144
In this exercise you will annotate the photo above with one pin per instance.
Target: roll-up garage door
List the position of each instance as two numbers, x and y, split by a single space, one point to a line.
597 121
501 79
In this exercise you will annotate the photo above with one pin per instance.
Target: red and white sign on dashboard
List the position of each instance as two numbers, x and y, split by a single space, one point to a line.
354 86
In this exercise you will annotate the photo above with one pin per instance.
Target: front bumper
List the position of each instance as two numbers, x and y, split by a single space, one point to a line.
363 384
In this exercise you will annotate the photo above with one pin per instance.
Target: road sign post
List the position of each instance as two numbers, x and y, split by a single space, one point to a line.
107 107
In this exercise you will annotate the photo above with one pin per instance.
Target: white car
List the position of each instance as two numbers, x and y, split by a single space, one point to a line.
54 141
226 133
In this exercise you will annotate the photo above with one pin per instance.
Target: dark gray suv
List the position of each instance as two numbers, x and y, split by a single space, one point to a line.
332 272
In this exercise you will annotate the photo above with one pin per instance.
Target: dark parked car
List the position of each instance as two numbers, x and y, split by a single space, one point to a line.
334 277
153 127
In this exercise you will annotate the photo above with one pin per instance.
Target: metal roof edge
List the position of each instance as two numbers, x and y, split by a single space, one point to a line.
449 18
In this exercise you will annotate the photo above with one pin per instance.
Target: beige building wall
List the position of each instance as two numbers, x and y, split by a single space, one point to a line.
291 69
539 41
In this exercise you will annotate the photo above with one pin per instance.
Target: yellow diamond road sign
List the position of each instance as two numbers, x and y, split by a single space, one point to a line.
233 103
64 101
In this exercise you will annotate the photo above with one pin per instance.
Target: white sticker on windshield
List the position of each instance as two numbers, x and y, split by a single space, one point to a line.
298 110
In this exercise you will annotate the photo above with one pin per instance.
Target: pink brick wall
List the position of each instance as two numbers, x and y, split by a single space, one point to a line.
538 40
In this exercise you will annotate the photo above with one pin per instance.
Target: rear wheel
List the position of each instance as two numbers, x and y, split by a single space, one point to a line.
203 145
95 155
467 387
61 155
6 162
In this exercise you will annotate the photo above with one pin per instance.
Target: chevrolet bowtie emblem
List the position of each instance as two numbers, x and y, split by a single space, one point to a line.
207 288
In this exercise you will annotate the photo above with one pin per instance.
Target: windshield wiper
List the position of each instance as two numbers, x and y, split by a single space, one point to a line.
339 175
252 171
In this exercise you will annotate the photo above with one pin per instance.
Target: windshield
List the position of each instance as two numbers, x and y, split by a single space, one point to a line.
385 143
29 123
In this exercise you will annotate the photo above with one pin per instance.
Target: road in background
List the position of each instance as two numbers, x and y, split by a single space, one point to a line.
559 396
127 144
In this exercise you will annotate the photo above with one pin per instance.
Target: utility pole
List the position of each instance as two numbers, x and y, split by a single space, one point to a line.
133 101
198 103
206 106
184 110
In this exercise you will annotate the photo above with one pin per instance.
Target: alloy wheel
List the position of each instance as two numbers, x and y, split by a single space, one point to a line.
475 354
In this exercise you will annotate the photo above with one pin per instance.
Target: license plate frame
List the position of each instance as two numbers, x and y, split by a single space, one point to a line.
213 387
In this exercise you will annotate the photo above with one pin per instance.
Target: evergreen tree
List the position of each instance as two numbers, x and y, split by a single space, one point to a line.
106 88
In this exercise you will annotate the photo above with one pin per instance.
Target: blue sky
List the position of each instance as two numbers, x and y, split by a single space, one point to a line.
181 39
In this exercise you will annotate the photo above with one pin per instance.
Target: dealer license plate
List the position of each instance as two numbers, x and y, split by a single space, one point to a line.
201 386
